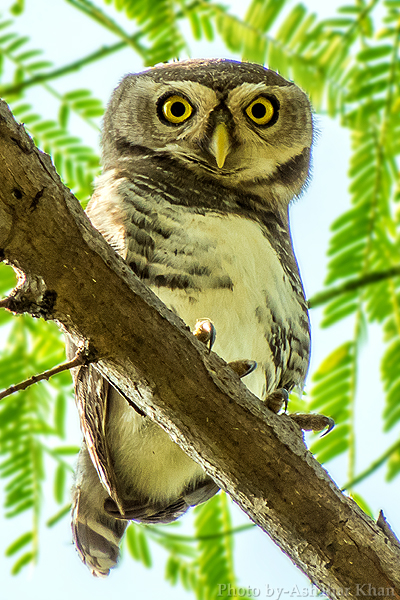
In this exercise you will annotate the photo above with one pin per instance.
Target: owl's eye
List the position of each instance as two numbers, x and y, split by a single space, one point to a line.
176 109
260 111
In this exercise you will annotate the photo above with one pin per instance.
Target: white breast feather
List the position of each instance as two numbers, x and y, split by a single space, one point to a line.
159 468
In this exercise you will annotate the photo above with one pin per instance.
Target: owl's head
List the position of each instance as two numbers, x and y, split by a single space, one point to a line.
238 123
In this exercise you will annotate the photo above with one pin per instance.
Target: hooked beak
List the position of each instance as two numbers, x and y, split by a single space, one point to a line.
220 145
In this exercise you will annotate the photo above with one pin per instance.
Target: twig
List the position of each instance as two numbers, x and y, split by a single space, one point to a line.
196 538
5 303
373 467
71 67
353 284
80 358
95 13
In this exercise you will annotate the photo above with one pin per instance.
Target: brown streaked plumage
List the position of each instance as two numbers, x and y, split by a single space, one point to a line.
200 161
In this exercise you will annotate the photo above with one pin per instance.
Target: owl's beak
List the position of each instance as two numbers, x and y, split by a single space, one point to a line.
220 144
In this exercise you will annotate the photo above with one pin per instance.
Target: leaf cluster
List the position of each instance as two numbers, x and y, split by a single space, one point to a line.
31 424
365 239
200 562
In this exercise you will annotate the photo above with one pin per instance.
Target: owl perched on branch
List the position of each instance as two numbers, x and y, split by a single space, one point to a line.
200 161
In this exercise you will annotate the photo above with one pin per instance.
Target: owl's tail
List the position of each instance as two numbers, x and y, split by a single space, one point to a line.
96 535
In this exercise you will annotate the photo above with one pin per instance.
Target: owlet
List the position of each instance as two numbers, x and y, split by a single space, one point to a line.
201 159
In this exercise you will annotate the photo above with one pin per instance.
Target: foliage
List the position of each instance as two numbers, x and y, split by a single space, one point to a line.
32 424
349 65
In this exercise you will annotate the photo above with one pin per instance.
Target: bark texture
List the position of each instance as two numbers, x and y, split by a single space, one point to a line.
73 277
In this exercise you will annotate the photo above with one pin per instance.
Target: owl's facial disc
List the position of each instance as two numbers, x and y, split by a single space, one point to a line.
221 134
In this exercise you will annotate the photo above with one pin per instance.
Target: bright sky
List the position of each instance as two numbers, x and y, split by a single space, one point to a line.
59 573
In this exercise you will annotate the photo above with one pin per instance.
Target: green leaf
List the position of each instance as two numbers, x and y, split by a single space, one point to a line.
172 569
374 53
7 279
39 65
15 45
58 516
22 562
349 9
207 28
335 443
60 411
144 550
195 24
393 466
20 508
63 115
132 541
18 7
362 504
77 95
59 484
22 541
66 450
291 23
262 14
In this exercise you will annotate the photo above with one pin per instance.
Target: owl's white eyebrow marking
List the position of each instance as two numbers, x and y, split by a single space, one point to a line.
247 91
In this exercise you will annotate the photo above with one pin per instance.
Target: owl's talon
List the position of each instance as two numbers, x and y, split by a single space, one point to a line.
313 422
330 425
243 367
205 331
277 399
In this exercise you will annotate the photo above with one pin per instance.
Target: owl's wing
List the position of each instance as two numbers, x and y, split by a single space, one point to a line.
91 396
157 513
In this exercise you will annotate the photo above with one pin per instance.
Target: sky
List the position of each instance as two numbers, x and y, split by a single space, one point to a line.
259 563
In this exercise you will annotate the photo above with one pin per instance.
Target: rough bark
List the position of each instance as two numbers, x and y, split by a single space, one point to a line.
259 458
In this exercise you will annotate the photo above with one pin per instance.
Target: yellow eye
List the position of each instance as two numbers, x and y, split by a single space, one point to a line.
260 111
176 109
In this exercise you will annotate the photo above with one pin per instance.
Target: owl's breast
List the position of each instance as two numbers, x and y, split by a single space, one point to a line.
223 267
207 264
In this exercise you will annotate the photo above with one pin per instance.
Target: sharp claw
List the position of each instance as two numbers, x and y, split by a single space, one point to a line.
285 396
243 367
330 425
277 399
313 422
205 331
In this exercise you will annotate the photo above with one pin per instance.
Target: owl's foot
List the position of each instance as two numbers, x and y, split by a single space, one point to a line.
277 400
308 422
313 422
243 367
205 331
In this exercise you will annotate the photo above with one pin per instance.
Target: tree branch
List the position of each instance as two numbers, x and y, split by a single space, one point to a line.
41 78
95 13
79 359
73 277
158 532
374 466
352 285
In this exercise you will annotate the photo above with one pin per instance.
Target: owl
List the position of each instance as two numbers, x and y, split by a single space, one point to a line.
201 159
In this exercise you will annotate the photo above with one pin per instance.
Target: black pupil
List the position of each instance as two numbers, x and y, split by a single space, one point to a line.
178 109
258 110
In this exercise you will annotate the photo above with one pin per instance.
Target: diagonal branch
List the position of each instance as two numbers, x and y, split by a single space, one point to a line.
16 88
374 466
74 277
95 13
